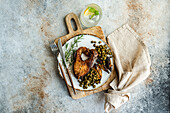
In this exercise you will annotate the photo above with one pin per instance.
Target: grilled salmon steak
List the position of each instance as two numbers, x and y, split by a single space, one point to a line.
82 67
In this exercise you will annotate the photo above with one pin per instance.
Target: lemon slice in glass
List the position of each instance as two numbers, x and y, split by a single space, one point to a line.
87 12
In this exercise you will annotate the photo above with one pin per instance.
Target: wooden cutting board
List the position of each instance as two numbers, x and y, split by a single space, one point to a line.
95 31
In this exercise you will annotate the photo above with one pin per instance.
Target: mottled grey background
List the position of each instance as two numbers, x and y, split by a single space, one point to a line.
29 81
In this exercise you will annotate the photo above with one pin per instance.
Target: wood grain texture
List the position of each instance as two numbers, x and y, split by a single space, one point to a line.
95 31
65 79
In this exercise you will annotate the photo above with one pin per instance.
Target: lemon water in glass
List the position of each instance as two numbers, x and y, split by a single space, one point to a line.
91 15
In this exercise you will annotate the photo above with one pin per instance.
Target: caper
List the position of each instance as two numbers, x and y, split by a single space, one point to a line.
85 85
87 82
102 57
94 86
94 45
91 41
82 83
94 41
99 42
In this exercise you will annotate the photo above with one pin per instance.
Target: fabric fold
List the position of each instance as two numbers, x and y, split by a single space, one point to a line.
132 62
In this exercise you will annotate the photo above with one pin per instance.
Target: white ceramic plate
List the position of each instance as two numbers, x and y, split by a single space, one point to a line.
85 42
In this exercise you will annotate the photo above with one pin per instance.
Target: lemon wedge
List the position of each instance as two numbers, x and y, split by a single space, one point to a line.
87 12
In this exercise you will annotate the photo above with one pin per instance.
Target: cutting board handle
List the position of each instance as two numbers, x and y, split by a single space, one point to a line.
68 19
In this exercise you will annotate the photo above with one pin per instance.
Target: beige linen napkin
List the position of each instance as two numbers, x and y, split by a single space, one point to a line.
132 62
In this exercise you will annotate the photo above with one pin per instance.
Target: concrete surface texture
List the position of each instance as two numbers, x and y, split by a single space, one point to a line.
29 80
